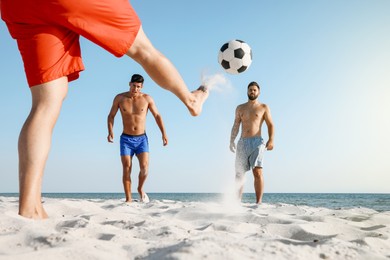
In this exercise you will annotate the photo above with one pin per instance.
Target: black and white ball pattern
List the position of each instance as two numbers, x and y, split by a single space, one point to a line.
235 56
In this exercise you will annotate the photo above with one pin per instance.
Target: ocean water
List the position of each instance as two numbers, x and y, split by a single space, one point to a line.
376 201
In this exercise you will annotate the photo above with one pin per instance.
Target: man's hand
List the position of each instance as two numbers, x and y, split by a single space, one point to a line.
233 147
269 145
165 140
110 138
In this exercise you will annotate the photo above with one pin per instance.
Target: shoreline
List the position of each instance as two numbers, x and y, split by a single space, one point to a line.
376 201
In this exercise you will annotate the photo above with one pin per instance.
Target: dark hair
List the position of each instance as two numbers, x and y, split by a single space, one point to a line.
253 83
137 78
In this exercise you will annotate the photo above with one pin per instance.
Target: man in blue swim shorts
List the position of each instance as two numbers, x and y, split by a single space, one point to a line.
134 106
250 147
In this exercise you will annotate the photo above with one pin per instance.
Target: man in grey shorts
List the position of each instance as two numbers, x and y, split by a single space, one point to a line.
250 147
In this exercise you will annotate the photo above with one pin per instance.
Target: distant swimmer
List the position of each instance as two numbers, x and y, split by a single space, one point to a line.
251 146
134 105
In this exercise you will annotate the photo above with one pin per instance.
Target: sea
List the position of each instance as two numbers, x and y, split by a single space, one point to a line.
376 201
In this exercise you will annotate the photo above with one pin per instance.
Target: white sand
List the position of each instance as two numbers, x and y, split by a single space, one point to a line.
110 229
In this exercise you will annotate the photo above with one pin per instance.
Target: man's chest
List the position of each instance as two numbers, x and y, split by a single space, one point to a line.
133 106
252 115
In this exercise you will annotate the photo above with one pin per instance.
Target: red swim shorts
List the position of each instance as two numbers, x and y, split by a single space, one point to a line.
48 31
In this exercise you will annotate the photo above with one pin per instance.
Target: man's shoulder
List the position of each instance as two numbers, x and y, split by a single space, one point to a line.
264 106
240 106
121 95
147 97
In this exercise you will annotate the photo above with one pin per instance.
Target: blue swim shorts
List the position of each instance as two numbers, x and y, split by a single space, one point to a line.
134 144
249 154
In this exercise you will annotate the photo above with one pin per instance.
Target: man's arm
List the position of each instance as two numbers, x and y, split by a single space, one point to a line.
270 127
110 119
158 118
235 130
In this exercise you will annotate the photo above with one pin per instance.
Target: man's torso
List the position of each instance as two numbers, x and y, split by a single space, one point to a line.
252 117
133 110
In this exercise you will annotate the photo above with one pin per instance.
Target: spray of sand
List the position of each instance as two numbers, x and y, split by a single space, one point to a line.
216 82
229 200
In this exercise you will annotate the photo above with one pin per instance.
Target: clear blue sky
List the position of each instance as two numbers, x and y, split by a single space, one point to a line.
324 68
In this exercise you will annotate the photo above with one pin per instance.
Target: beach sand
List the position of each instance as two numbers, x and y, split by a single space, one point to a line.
164 229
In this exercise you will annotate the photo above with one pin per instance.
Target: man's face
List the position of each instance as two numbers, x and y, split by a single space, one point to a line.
135 87
253 92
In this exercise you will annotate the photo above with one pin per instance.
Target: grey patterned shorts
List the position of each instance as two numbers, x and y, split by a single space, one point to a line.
249 154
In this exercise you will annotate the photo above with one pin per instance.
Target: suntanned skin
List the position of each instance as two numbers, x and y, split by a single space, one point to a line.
251 116
164 73
35 137
134 106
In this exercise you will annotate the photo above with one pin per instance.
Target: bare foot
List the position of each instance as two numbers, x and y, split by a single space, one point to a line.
36 213
199 96
145 198
43 213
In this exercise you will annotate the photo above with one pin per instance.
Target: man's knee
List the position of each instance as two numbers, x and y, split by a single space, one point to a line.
144 166
141 48
126 161
143 170
126 177
239 175
258 172
126 165
240 178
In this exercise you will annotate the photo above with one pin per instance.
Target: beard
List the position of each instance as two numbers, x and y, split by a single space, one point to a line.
252 96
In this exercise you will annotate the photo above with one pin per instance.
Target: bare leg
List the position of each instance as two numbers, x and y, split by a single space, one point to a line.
164 73
126 179
258 183
143 174
34 144
240 185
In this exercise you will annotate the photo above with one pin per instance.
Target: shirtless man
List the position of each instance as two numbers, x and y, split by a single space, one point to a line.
134 106
47 34
250 147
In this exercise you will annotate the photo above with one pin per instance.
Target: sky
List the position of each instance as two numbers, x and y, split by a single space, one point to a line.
324 71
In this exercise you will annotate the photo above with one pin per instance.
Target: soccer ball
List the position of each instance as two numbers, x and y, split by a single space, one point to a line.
235 56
